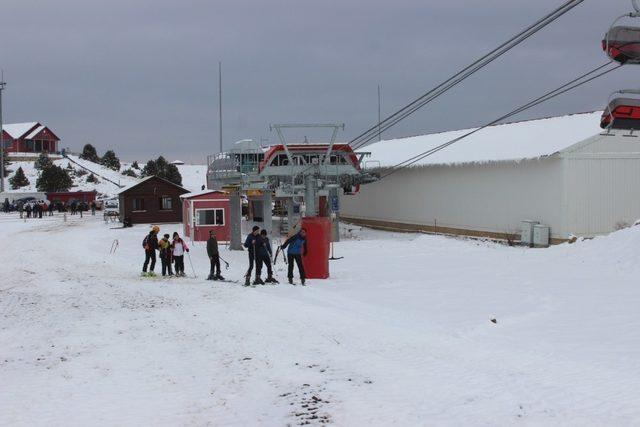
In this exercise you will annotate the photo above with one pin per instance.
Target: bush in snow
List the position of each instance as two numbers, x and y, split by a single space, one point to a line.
162 169
129 172
19 179
110 160
92 178
42 162
54 178
80 172
135 165
89 153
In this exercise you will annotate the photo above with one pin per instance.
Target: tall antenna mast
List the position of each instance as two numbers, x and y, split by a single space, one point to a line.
2 85
220 101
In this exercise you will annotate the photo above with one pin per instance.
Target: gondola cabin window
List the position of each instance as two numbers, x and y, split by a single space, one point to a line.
210 217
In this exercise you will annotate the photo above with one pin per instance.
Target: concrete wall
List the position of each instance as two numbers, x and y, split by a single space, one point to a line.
489 199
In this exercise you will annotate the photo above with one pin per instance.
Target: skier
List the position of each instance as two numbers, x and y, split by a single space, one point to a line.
51 208
93 208
214 257
165 255
21 209
27 209
252 242
265 255
150 244
179 247
297 249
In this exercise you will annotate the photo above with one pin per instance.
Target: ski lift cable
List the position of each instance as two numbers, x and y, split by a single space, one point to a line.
573 84
521 108
465 72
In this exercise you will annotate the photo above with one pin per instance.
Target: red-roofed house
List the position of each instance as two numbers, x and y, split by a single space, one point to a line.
29 137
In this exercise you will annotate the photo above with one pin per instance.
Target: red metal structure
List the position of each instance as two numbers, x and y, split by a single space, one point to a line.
316 263
205 211
29 137
341 154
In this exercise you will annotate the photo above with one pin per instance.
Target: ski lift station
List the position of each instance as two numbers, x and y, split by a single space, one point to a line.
565 173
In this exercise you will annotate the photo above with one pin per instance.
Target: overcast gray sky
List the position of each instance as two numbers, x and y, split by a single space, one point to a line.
140 76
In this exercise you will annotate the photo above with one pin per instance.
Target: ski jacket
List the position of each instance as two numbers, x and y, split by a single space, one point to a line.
252 241
212 247
150 242
179 247
265 249
165 248
297 245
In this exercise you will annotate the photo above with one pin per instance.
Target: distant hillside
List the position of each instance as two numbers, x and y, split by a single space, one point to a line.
193 176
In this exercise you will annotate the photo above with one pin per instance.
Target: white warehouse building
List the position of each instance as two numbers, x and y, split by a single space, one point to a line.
564 172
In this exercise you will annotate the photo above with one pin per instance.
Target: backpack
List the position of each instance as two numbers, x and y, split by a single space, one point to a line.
145 242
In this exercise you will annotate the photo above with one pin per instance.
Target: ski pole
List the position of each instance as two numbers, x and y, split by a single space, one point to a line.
225 262
192 269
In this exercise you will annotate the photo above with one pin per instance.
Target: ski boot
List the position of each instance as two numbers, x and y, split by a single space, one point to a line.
247 281
271 280
218 277
258 281
291 281
151 274
302 282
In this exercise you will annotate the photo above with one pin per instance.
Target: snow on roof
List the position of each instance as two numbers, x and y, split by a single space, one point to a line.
35 131
135 184
512 141
16 130
199 193
177 162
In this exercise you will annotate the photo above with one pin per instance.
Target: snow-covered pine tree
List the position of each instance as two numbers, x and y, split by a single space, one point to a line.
110 160
19 179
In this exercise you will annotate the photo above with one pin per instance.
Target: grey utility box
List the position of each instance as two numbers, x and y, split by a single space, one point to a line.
526 234
541 236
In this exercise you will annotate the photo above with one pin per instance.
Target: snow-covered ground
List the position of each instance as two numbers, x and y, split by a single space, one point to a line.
193 176
400 335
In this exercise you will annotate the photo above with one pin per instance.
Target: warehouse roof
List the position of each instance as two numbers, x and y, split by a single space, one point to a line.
512 141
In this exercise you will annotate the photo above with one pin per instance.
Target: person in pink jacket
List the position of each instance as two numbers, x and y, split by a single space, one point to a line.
179 247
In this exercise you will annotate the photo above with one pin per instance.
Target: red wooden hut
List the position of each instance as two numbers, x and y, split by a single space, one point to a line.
204 211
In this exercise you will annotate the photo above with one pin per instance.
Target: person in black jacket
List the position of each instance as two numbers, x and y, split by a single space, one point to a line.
214 257
150 245
297 248
265 255
252 242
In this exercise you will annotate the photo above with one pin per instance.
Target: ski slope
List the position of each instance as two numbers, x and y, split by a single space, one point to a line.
193 176
400 335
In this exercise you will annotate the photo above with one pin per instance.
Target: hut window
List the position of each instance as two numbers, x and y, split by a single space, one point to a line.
166 203
210 217
138 204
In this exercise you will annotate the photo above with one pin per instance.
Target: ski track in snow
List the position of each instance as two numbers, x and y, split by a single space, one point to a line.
399 335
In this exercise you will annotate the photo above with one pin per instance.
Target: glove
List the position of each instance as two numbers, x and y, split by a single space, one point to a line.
187 250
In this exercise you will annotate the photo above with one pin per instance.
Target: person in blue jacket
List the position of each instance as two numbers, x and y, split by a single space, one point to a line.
297 248
252 243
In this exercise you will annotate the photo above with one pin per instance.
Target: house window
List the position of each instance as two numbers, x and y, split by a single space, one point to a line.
210 217
138 204
166 203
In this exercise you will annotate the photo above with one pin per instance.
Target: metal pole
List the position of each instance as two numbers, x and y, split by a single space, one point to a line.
220 101
2 85
379 117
